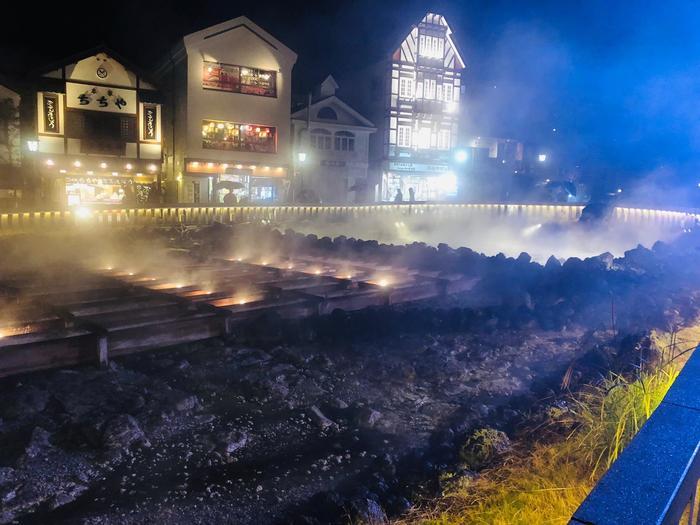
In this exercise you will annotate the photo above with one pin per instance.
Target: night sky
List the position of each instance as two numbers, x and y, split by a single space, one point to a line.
618 80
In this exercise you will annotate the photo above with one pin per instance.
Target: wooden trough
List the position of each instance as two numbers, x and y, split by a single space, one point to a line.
72 315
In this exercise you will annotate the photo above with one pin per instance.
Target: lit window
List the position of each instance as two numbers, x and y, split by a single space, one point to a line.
429 88
423 138
233 136
238 79
344 141
447 91
406 87
431 46
444 139
404 136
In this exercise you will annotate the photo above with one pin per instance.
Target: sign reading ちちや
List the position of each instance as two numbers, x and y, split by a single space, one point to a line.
100 98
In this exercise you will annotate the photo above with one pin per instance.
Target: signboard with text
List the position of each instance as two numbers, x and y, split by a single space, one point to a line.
150 122
412 166
100 98
50 110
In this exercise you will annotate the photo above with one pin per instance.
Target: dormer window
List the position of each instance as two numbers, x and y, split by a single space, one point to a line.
327 113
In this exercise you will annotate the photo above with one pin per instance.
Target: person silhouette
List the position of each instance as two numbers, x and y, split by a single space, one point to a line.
411 195
399 196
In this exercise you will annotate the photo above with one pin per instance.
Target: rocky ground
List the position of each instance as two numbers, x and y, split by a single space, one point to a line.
227 433
345 418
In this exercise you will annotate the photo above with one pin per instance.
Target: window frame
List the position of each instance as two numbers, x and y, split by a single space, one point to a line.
344 141
271 129
239 89
407 136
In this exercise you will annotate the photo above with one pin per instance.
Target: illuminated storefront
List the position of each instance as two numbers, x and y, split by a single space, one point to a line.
249 183
98 133
434 187
233 140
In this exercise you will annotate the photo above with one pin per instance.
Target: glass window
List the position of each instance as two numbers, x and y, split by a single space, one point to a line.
424 138
239 79
234 136
327 113
320 139
447 91
404 137
344 141
406 87
431 46
429 89
444 139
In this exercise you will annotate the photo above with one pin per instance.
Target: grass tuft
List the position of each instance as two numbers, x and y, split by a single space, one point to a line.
546 483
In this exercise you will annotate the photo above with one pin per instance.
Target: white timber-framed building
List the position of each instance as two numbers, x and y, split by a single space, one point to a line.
421 118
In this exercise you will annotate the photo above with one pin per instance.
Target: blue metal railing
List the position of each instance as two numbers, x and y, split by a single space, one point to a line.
655 479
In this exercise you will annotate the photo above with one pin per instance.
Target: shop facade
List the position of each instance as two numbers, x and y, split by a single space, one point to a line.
92 131
334 141
228 138
420 129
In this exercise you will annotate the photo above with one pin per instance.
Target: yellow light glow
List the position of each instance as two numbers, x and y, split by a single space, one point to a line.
383 283
77 164
83 212
151 167
49 162
103 165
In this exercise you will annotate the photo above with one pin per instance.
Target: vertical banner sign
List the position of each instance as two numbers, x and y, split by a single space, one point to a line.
51 124
150 114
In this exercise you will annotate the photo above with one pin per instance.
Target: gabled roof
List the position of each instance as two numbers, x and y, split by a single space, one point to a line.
235 23
333 100
101 48
436 19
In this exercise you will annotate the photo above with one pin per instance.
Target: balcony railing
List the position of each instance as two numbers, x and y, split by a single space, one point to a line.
655 480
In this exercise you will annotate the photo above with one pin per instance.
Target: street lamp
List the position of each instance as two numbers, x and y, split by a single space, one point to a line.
301 156
461 156
33 145
542 157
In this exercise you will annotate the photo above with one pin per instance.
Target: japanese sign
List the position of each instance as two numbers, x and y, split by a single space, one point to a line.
51 124
150 122
100 98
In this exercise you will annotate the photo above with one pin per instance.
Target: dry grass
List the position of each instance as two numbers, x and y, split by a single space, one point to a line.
545 484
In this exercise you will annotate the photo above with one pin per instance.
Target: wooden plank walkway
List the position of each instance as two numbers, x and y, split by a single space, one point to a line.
74 315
